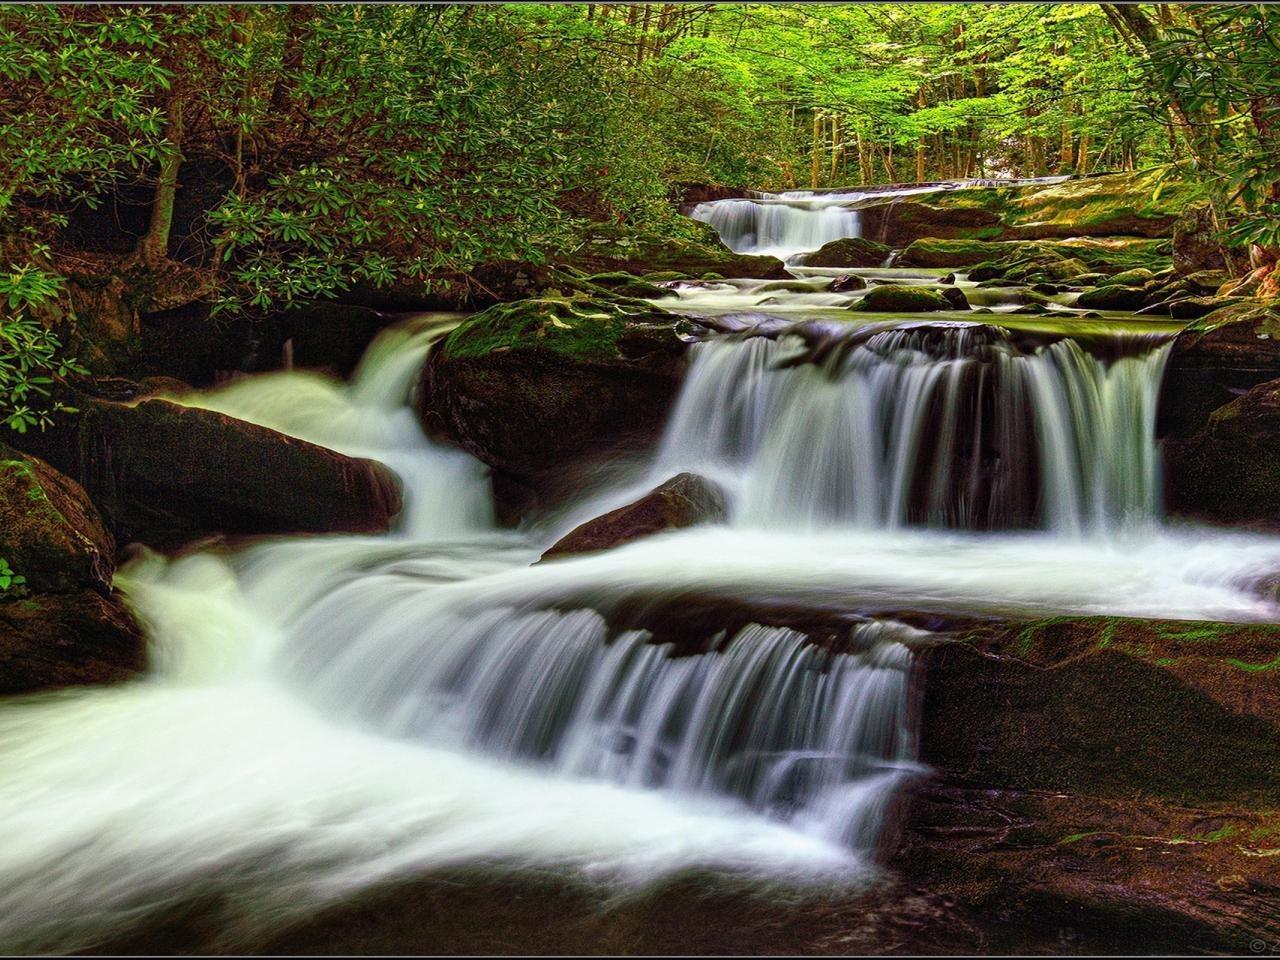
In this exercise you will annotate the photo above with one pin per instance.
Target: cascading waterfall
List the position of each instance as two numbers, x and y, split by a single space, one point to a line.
779 226
937 424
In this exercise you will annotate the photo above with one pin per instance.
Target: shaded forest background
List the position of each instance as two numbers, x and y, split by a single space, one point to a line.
223 164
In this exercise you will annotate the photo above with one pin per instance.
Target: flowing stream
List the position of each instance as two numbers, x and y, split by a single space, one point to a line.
326 714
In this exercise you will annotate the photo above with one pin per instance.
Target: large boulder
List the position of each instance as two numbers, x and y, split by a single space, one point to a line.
1214 360
48 528
1112 297
1109 781
1229 470
1113 707
60 624
849 252
164 474
899 298
683 501
541 389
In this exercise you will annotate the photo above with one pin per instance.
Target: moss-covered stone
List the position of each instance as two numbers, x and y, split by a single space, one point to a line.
1130 278
1113 297
1110 707
1229 471
1216 358
50 532
849 252
897 298
538 389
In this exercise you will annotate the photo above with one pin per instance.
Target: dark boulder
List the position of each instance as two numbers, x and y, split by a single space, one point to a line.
1193 308
541 389
1229 470
165 474
955 296
1214 360
60 623
848 282
683 501
849 252
1113 297
49 530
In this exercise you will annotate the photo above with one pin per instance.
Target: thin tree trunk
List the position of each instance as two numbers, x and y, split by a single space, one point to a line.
153 248
816 150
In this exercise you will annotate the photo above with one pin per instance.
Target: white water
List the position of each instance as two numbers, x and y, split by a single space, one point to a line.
327 713
785 225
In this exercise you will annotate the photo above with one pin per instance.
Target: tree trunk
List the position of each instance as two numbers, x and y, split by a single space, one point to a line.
816 151
153 248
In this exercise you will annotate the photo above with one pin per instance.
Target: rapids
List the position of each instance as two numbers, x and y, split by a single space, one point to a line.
327 714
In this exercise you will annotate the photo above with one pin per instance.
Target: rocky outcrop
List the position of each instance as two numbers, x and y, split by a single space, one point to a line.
60 623
1108 781
540 389
1109 707
1112 297
1216 359
164 474
849 252
683 501
1229 470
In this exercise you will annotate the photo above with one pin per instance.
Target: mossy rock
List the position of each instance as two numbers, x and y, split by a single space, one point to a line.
1229 471
848 252
50 532
935 252
664 276
1120 204
1114 297
607 248
1110 707
1193 308
897 298
1130 278
1215 359
626 285
541 388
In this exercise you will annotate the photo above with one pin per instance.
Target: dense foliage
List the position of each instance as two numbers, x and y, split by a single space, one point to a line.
292 153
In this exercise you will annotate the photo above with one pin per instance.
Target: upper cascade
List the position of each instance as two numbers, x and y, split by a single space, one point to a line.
796 222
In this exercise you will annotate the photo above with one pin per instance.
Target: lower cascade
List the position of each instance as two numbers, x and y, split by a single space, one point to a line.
370 709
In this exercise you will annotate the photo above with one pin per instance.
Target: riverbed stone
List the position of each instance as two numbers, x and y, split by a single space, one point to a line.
849 252
683 501
899 298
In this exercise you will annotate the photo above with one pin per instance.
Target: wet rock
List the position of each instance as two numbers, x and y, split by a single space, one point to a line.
66 639
1113 298
60 624
956 298
541 389
847 283
897 298
1109 707
1214 360
164 474
1129 278
849 252
1091 875
49 530
1193 308
1229 471
683 501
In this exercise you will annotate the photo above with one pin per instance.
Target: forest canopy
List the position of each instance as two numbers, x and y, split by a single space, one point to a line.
283 154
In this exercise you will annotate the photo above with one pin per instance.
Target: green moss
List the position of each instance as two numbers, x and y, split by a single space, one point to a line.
894 298
1254 667
581 329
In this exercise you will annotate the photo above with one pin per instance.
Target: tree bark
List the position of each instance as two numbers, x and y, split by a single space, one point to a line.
153 248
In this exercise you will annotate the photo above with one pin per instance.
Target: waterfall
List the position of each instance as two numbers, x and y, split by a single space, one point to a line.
939 424
778 226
